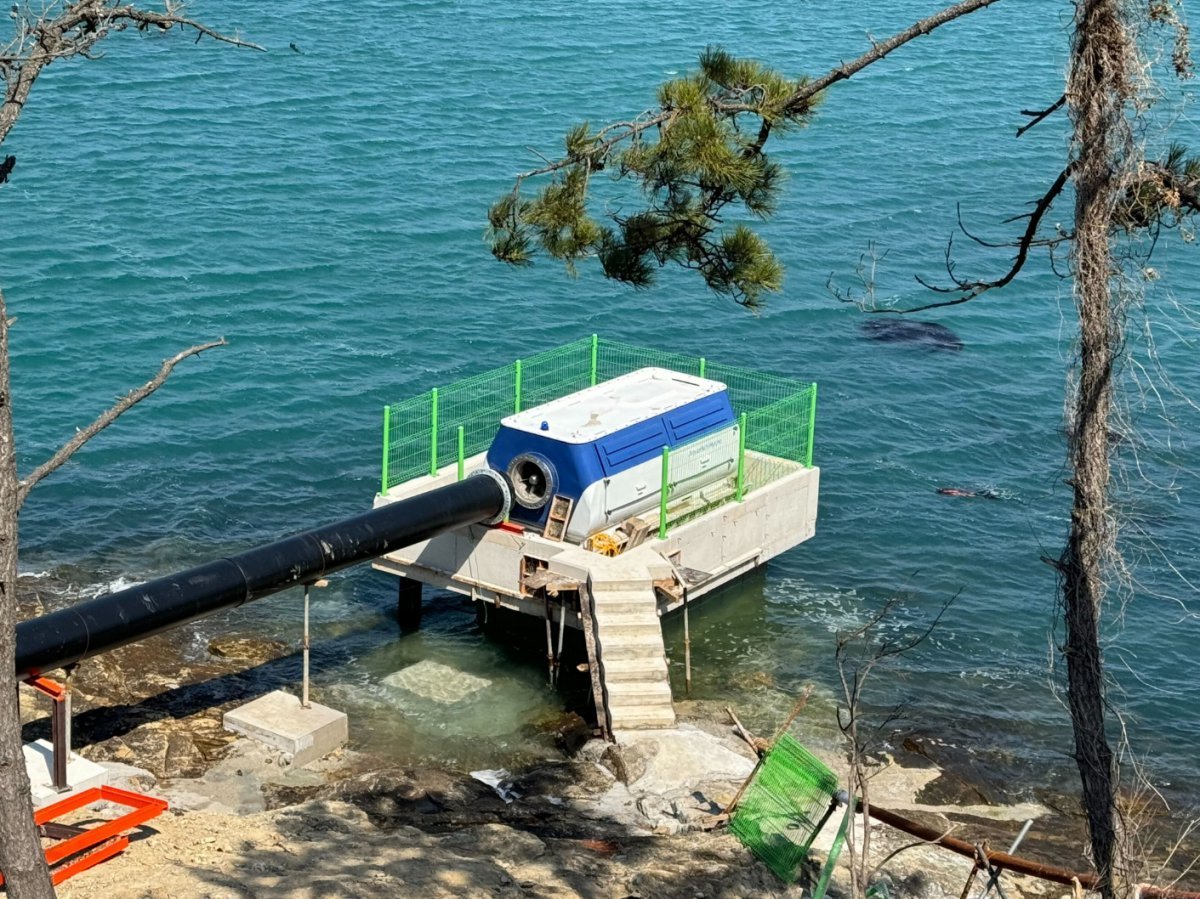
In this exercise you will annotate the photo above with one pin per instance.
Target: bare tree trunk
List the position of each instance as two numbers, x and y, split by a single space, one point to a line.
1097 93
21 858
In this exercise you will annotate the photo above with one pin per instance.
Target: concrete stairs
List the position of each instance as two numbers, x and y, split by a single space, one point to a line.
633 664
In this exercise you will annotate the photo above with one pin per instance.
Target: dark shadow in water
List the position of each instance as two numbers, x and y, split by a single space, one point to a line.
926 335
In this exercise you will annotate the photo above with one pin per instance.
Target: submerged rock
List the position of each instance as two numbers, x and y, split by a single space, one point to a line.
929 335
247 648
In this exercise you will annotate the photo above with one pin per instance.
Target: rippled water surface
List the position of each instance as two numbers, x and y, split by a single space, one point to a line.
324 211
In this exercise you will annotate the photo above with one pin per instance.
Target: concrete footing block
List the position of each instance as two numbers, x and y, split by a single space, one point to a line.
278 720
81 774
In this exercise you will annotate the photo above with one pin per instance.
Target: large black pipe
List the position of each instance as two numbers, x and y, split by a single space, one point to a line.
70 635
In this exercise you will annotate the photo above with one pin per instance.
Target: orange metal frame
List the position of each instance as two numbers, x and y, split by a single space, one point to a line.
94 845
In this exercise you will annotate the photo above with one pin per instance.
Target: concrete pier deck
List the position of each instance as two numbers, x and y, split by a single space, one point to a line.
626 595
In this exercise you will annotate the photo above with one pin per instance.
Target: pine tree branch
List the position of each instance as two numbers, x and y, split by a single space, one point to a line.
801 99
690 179
122 406
882 48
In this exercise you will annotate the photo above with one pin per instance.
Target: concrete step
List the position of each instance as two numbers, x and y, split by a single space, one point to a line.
639 651
639 584
642 631
624 617
640 693
640 669
644 587
626 605
640 719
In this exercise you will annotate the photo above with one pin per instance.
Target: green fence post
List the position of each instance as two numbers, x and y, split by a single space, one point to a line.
595 357
462 447
517 383
812 423
703 366
387 440
662 497
433 434
740 489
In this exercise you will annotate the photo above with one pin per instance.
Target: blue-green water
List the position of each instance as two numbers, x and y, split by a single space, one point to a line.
324 211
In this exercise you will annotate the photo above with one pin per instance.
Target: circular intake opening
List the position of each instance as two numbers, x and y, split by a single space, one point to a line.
532 481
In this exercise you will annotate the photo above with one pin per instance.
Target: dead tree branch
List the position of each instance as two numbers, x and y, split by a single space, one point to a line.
1039 115
857 654
969 290
122 406
40 40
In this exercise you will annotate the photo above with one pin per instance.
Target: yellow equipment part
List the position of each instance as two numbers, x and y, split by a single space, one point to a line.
606 545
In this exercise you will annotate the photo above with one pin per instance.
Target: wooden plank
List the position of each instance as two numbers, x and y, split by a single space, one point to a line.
589 637
550 581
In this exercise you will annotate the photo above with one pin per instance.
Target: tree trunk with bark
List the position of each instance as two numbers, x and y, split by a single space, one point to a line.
1097 93
21 858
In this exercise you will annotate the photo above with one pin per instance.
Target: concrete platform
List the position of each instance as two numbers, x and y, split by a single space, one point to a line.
626 596
437 682
81 774
278 720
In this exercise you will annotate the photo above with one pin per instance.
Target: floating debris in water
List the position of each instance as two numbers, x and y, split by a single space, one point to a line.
498 780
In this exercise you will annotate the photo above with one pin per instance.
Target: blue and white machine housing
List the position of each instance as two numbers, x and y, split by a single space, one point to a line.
601 448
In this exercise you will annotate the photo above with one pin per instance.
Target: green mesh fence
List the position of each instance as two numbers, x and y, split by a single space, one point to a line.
784 807
616 359
476 405
555 373
779 436
407 432
700 475
421 435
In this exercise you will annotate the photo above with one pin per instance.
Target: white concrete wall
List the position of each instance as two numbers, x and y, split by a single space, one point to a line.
485 563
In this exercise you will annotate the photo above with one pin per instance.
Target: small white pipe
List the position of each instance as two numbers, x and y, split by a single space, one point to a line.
304 703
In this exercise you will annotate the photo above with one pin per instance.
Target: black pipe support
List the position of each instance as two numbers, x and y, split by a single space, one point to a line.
98 625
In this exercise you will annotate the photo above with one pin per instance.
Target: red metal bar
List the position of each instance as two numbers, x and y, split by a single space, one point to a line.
60 728
47 687
94 845
101 853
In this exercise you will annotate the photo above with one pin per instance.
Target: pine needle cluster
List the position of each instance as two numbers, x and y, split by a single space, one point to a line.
697 158
1164 193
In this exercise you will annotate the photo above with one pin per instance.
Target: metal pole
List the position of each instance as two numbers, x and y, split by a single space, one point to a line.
387 439
549 644
662 498
703 366
304 703
740 488
994 876
687 647
518 376
562 626
66 722
462 447
59 748
812 424
433 432
595 357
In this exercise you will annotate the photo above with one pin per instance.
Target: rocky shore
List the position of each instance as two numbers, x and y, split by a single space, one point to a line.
595 821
